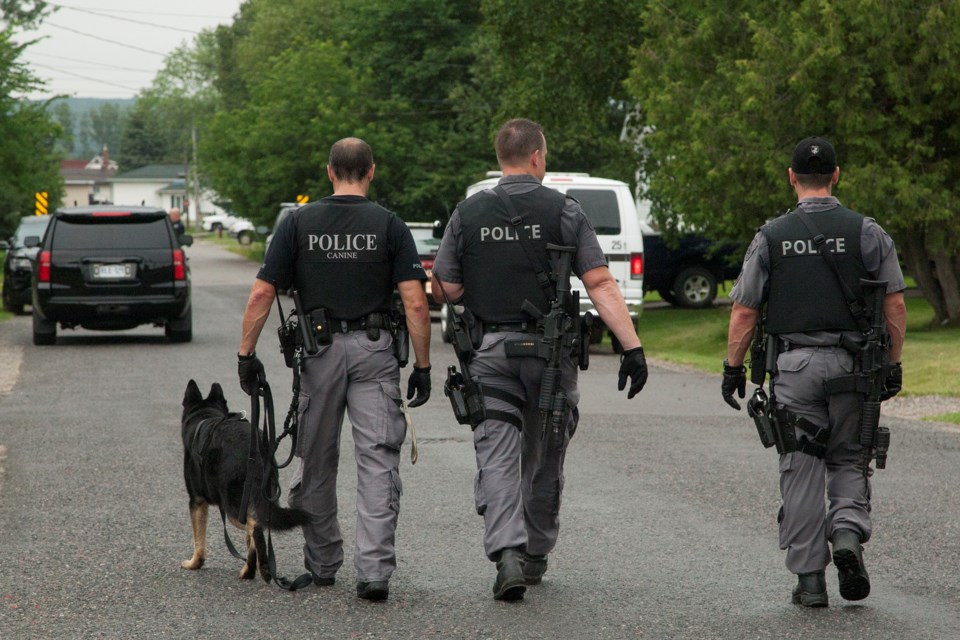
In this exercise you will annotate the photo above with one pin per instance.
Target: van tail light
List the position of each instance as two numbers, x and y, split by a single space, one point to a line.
179 267
636 265
43 267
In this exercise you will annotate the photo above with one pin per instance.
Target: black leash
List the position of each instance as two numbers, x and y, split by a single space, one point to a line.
263 446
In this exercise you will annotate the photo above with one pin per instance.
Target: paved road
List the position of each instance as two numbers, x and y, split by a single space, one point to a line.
668 516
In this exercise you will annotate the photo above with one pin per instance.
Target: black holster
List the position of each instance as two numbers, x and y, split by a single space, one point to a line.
289 336
466 397
401 338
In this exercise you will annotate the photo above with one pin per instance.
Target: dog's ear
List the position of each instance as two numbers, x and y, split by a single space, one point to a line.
192 395
216 395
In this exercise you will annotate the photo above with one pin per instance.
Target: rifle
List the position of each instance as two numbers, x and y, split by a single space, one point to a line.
556 323
464 390
874 367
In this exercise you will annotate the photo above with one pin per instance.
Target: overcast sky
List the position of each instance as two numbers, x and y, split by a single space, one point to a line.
114 48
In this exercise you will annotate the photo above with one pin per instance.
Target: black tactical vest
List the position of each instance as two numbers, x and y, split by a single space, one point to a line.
497 275
343 263
804 294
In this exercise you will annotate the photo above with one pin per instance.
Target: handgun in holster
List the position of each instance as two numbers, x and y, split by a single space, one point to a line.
401 335
466 397
305 323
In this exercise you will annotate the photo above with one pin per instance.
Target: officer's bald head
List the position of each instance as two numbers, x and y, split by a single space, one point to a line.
517 140
351 159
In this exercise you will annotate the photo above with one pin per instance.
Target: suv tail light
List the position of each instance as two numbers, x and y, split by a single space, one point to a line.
179 268
43 267
636 266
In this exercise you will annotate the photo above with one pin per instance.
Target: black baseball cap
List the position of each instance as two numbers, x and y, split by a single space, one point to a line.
814 155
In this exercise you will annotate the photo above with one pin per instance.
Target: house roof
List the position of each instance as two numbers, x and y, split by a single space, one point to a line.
74 172
153 173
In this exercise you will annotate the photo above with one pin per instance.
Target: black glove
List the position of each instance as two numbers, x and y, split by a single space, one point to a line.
418 384
734 379
633 364
893 383
251 370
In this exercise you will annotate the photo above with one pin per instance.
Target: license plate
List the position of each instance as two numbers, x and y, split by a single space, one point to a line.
112 271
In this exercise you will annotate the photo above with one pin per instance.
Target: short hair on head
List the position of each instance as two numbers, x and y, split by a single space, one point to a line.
814 180
517 139
351 159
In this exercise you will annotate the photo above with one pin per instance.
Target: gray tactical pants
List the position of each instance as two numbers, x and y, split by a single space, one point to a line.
519 474
807 523
359 376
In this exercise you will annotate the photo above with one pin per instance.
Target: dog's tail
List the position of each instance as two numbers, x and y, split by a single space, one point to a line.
271 515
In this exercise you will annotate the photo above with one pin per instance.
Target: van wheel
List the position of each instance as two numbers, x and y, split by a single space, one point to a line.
44 331
695 288
245 237
180 329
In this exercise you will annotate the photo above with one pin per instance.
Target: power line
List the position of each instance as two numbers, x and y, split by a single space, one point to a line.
77 75
147 13
107 15
96 37
99 64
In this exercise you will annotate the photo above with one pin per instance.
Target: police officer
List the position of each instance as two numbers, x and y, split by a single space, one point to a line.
519 473
344 255
178 228
807 310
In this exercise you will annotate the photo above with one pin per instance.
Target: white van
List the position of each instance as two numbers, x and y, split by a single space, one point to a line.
610 206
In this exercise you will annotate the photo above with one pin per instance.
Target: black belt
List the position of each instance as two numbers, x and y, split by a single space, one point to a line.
377 320
515 327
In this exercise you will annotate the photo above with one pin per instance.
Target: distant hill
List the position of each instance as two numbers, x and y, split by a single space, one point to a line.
88 139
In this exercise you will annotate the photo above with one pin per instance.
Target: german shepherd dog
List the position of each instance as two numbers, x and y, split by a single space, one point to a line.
215 447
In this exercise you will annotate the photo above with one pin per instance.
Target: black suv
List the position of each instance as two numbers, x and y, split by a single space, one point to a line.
17 264
111 268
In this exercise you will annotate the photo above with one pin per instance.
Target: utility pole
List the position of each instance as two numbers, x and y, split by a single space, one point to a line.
196 178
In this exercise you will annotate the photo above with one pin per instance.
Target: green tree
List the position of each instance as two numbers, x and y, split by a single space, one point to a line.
27 138
728 88
565 68
392 72
63 116
182 98
275 146
102 127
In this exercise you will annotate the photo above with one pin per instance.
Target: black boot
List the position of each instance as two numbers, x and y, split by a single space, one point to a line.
848 556
533 568
811 590
510 583
376 591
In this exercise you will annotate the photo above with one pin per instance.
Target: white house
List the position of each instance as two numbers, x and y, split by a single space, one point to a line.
162 185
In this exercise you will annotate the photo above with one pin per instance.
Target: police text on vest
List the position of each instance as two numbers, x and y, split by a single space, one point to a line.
507 234
342 245
808 247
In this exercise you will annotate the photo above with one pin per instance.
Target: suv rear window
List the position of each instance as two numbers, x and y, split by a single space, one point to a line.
132 233
601 208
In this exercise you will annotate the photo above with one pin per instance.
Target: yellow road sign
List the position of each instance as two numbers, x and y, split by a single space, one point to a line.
303 199
42 201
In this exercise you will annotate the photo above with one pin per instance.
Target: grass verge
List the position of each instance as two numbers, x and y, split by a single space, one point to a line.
252 251
931 355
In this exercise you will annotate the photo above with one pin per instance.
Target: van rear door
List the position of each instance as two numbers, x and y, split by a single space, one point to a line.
612 213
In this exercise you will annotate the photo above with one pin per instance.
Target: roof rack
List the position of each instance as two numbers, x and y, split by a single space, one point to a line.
549 174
